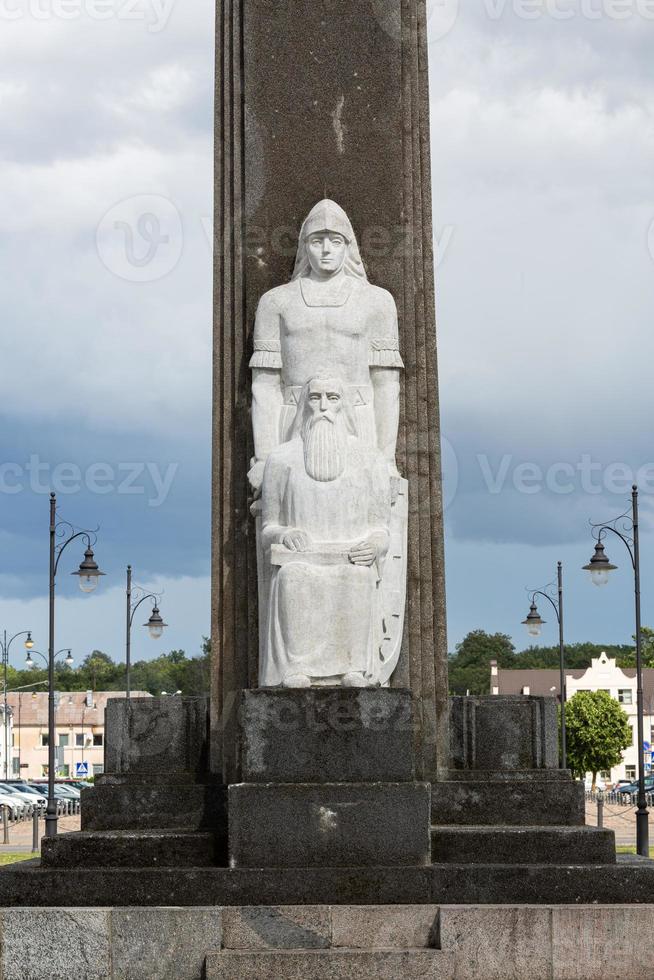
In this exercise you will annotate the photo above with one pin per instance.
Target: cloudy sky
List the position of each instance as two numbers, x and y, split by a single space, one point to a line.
543 171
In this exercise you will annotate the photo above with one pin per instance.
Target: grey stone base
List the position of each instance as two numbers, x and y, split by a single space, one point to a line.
288 825
629 881
333 964
523 845
132 849
473 942
131 803
505 732
326 735
542 798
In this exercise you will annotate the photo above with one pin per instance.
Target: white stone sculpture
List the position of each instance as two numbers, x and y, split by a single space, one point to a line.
328 315
325 524
330 324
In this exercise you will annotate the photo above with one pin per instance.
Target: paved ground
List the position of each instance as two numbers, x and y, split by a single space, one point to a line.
621 819
20 834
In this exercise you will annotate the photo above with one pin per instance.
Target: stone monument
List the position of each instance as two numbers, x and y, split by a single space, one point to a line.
324 270
322 817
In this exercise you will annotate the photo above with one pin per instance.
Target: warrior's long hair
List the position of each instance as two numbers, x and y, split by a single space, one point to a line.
329 216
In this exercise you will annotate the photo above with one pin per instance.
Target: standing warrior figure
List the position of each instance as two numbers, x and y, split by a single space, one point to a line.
329 315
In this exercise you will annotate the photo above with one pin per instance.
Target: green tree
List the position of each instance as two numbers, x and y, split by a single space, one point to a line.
469 667
170 672
577 655
99 672
597 732
628 657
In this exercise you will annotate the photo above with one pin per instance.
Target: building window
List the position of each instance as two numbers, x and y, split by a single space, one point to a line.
631 738
44 741
64 771
15 766
63 741
44 770
625 695
605 774
98 770
98 740
630 772
79 741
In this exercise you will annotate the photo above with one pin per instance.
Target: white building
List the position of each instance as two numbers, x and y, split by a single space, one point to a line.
602 675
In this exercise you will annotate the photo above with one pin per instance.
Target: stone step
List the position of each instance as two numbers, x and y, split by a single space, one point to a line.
330 964
124 803
629 881
522 845
129 848
332 825
517 802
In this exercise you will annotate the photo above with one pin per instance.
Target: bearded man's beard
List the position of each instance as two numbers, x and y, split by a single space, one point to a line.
325 447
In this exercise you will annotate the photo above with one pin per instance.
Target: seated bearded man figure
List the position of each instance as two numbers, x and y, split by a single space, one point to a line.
325 527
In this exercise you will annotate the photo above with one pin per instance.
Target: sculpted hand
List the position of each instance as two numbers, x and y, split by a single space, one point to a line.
296 540
363 553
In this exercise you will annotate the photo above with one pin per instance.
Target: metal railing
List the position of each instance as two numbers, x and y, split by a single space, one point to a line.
11 816
617 798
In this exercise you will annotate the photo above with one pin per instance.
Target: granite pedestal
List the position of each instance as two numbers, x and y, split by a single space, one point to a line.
330 781
154 806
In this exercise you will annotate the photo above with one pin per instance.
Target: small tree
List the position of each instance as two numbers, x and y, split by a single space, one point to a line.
469 667
597 732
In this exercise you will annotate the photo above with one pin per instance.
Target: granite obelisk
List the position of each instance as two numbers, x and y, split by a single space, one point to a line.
315 101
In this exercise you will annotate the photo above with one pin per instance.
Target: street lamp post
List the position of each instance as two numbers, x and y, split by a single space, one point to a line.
29 662
155 623
89 577
534 623
600 567
5 644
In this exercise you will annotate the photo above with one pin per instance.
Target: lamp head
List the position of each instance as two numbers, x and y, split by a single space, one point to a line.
155 624
29 642
599 566
88 572
533 622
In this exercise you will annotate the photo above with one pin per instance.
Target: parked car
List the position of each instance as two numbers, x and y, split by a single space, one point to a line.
599 783
64 791
26 799
68 792
631 789
37 795
13 804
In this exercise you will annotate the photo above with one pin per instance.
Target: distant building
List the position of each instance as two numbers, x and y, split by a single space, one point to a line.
79 726
602 675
